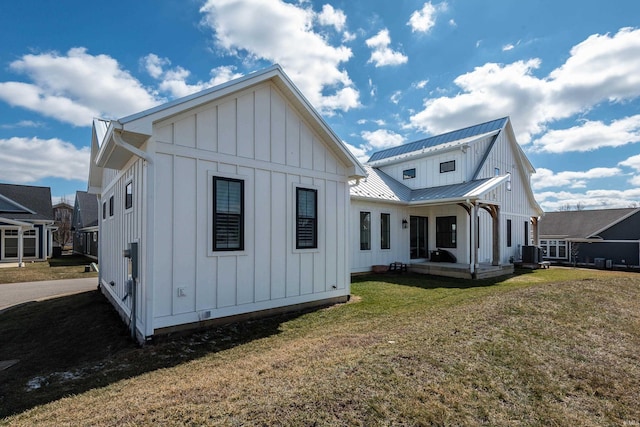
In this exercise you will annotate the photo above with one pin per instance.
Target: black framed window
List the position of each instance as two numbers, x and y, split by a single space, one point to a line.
508 233
228 214
409 173
104 210
449 166
385 231
111 206
128 195
306 218
365 231
446 236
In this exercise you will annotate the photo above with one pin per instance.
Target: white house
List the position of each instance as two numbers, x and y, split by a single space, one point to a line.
237 198
26 223
465 193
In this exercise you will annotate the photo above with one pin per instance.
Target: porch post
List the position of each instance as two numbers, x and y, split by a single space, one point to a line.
20 247
474 237
534 223
496 235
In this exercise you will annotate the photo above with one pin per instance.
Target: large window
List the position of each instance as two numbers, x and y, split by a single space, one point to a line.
419 237
10 243
446 232
29 241
554 249
385 231
228 214
365 231
306 218
449 166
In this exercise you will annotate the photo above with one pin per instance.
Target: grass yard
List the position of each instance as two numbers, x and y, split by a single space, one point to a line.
65 267
550 347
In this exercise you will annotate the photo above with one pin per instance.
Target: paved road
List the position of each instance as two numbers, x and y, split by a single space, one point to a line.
17 293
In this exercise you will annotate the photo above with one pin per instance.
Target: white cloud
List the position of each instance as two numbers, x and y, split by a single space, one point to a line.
421 84
382 54
592 199
507 47
453 23
359 152
382 138
283 33
27 160
603 68
174 80
396 96
546 178
22 124
76 87
332 17
633 162
590 135
424 19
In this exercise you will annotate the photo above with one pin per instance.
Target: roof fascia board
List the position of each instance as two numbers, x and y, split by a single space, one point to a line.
13 202
525 165
16 222
486 155
378 200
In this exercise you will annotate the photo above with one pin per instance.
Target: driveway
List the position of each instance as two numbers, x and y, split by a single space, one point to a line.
18 293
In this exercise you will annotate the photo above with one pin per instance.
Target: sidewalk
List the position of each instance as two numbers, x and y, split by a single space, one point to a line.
12 294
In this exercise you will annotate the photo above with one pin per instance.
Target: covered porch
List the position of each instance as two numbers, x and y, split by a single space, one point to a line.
460 270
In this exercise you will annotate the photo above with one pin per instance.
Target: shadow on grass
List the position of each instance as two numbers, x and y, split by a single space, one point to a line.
70 260
76 343
426 281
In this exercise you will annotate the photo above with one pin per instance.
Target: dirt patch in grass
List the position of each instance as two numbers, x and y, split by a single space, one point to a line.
559 349
65 267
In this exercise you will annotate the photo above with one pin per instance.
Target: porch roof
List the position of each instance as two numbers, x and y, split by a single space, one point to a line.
381 187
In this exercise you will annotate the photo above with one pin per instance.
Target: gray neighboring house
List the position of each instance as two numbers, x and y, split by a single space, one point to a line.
26 223
602 237
85 224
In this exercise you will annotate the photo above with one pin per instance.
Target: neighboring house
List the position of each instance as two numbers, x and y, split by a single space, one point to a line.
604 237
62 215
465 194
85 224
237 198
26 223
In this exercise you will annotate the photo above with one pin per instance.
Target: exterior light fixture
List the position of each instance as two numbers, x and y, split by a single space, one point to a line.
405 224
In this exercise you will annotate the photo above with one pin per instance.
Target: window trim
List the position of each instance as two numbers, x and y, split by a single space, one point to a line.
365 245
248 185
444 166
128 196
212 231
298 189
409 173
382 231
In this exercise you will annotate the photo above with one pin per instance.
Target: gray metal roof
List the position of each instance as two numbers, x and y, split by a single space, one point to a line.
381 187
378 185
453 191
580 224
36 200
444 138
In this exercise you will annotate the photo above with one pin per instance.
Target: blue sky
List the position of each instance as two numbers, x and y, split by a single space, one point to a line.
381 73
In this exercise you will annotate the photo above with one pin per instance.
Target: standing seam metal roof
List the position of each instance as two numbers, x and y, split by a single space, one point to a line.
440 139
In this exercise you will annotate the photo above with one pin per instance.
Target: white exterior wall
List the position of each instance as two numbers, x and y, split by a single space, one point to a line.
117 231
514 204
362 260
256 136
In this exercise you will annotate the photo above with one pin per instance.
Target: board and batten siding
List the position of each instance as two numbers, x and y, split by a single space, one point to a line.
363 260
117 231
257 136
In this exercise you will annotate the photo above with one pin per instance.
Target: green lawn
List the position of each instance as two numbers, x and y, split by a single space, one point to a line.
65 267
550 347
